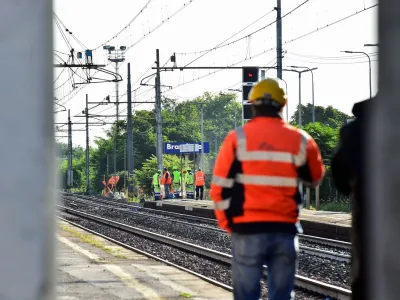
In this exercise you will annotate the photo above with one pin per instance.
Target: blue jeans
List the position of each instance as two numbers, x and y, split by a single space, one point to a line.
251 251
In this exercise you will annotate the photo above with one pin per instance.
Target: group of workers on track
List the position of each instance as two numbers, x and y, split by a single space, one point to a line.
173 185
257 192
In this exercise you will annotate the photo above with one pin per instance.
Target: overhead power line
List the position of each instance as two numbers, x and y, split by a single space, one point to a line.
241 30
220 45
74 92
125 27
285 43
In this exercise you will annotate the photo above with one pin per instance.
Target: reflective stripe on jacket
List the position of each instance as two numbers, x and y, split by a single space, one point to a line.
255 180
199 178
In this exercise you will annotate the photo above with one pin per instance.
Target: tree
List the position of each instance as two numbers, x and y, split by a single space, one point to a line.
326 138
326 115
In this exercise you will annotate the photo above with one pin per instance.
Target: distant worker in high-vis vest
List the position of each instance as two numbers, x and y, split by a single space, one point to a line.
255 189
189 181
156 185
176 181
166 182
199 181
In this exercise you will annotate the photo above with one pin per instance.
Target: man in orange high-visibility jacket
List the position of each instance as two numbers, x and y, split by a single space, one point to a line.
199 178
256 194
166 180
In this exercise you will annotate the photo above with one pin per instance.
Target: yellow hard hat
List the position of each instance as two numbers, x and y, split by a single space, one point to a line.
268 91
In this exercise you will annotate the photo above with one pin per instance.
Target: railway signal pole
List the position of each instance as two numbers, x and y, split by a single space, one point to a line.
70 178
279 39
129 131
87 145
116 56
159 147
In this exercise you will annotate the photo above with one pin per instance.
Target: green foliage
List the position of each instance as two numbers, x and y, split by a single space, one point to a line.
329 116
326 138
181 123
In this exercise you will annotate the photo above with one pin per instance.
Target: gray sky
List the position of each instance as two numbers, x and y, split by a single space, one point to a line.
340 81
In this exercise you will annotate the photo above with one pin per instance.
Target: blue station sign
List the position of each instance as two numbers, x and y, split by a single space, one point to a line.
185 148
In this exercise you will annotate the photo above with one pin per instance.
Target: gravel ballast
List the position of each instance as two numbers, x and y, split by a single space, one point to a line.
211 269
318 268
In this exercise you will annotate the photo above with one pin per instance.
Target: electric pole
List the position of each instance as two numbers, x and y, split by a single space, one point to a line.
279 39
159 149
125 167
87 144
107 166
70 179
116 56
202 139
129 125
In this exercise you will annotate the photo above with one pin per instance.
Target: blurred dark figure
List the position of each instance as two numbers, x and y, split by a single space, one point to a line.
348 171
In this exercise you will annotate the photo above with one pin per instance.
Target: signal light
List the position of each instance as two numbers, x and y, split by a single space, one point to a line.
250 74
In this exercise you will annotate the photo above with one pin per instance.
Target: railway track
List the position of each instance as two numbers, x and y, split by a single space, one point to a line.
219 257
137 210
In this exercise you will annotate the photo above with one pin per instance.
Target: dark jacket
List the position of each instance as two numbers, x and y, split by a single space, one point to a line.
348 172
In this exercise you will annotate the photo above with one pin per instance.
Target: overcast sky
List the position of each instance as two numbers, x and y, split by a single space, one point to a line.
341 79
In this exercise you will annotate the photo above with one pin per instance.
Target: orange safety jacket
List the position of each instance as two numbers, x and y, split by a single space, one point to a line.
199 178
257 173
165 180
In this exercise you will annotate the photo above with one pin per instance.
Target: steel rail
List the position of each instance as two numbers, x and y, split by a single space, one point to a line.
325 254
208 253
325 241
300 281
130 211
307 250
315 239
195 218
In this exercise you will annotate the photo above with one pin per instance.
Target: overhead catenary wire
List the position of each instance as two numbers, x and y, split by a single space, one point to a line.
71 94
126 26
220 45
274 48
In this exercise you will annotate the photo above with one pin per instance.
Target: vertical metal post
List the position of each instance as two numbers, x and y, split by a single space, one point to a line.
115 151
262 74
125 166
70 179
313 102
300 121
216 146
278 39
370 76
300 125
117 115
383 139
117 92
186 161
158 113
107 165
27 213
87 145
235 116
130 133
194 157
202 139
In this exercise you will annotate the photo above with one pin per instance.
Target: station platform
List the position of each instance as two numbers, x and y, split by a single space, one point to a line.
90 267
332 225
